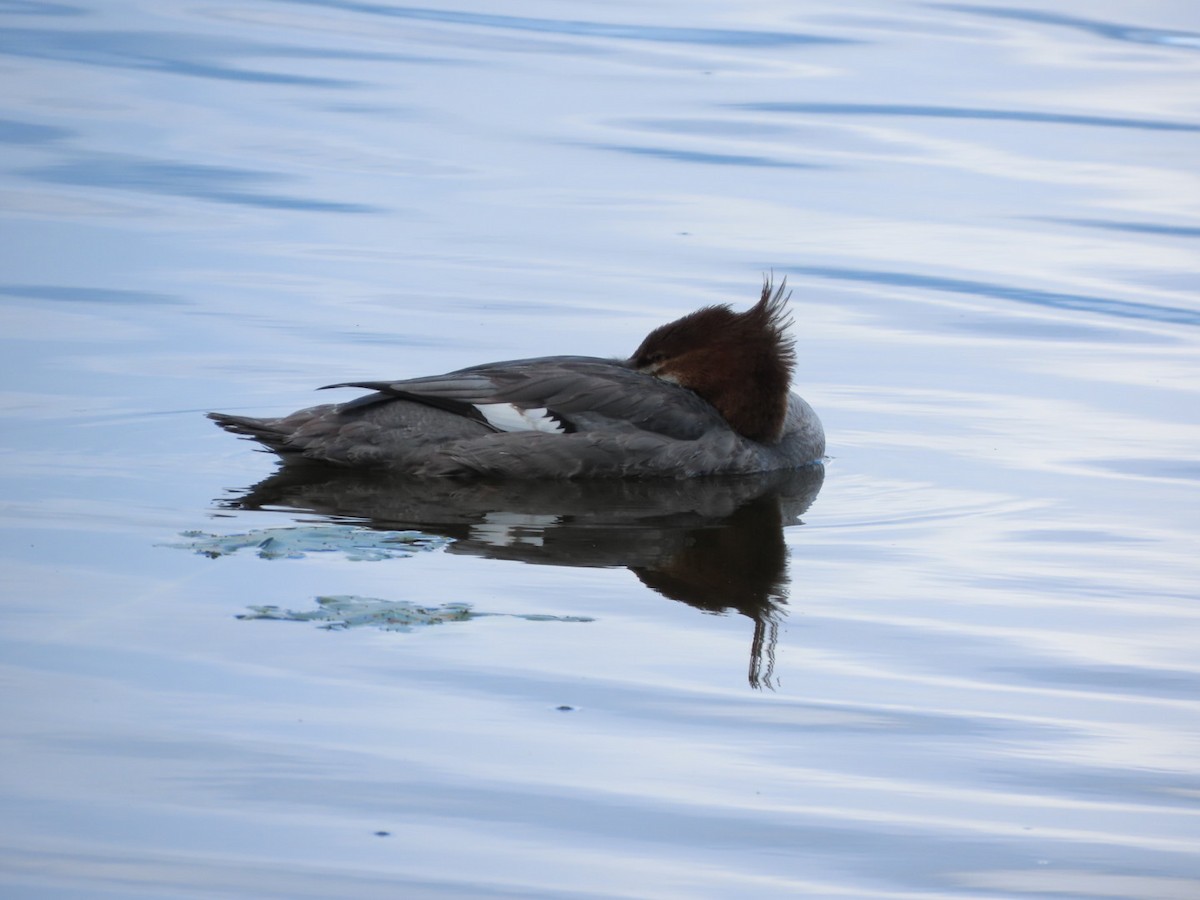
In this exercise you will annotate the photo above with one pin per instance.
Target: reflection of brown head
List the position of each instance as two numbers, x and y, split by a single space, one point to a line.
739 564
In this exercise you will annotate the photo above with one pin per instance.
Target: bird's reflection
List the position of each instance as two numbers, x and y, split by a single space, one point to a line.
714 543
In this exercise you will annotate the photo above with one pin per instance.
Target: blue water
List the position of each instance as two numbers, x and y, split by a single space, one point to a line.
966 664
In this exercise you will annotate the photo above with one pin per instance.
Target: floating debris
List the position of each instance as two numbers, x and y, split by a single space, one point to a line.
296 542
350 611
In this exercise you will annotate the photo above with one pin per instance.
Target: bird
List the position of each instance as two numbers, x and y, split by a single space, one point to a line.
706 394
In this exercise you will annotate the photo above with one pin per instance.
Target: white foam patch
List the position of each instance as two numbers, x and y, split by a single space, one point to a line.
506 417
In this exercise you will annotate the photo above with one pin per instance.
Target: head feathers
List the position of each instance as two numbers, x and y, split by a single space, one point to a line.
741 363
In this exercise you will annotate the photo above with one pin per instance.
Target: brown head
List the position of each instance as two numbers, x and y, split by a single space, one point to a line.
741 363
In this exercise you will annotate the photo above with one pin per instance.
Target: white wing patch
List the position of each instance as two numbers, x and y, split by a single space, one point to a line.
506 417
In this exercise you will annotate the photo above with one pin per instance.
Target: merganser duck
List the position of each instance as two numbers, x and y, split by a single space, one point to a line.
704 395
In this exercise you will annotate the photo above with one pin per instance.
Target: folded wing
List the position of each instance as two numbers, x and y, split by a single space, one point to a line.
560 395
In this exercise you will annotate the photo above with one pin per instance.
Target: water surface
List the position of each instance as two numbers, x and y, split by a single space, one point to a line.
960 662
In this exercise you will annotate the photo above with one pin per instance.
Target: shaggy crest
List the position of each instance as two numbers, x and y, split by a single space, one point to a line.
741 363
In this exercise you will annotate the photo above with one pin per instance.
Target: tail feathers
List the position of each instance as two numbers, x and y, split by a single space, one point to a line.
266 431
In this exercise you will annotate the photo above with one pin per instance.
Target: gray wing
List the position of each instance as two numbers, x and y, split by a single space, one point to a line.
558 394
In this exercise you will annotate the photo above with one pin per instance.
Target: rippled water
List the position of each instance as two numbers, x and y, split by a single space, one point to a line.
967 664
